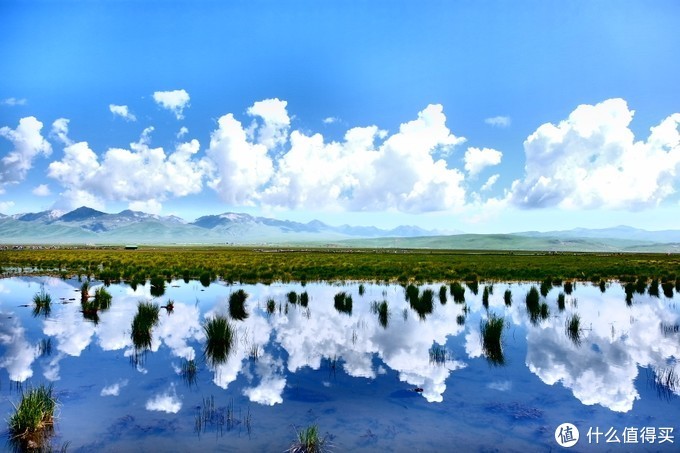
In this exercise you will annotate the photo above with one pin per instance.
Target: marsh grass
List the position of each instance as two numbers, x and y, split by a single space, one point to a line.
362 289
292 297
533 304
308 440
237 309
473 284
629 289
188 371
507 297
603 286
84 293
271 306
568 287
442 294
573 328
220 338
460 320
145 319
382 310
45 347
641 285
304 299
492 331
667 288
458 292
343 303
157 286
485 297
546 286
424 304
42 304
32 423
561 301
654 288
438 354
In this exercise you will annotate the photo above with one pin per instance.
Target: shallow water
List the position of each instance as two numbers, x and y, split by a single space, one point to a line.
346 373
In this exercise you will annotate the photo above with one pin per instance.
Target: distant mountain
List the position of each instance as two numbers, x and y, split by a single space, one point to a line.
138 227
87 225
617 232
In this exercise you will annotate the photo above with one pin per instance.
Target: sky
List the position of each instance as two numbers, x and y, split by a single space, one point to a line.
476 116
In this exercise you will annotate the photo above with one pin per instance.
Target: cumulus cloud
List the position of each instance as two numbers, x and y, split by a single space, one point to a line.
6 205
175 101
60 131
490 182
477 159
28 144
369 170
42 190
275 122
498 121
165 402
123 112
591 160
242 166
19 353
13 101
114 389
142 176
330 120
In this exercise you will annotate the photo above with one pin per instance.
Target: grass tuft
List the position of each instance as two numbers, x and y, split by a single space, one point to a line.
343 303
32 422
42 304
220 337
574 329
237 309
145 319
492 331
309 441
507 297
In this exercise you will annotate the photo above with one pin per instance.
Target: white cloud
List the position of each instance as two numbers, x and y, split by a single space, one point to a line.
274 130
591 160
358 174
490 182
114 389
28 144
123 112
142 176
13 101
242 167
477 159
165 402
6 205
330 120
498 121
42 190
182 132
19 353
60 131
175 101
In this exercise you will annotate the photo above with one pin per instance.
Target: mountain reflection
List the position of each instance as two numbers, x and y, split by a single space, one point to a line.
275 341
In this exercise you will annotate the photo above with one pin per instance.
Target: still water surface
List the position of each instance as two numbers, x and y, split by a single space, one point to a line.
348 373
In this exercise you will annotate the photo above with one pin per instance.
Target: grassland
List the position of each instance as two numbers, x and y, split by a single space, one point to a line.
305 264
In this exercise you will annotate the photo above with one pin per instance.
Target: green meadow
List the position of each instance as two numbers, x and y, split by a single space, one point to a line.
265 265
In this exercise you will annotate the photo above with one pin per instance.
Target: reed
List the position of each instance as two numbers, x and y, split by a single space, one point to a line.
507 297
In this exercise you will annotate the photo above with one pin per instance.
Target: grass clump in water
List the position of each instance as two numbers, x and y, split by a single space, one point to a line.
568 287
492 331
145 319
442 294
32 422
188 371
574 328
292 297
237 309
382 310
654 288
309 441
507 297
485 297
271 306
42 302
458 292
424 304
560 301
343 303
438 354
304 299
220 337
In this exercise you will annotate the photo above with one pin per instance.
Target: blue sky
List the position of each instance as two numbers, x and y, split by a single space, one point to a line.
471 115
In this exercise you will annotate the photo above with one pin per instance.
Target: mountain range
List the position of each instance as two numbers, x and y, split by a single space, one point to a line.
87 225
90 226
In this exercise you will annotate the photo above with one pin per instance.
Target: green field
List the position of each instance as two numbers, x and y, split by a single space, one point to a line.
299 264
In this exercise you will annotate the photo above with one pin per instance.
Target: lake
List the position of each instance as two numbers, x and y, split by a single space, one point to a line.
406 382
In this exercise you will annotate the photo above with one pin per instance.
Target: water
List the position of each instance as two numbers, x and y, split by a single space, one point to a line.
346 373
